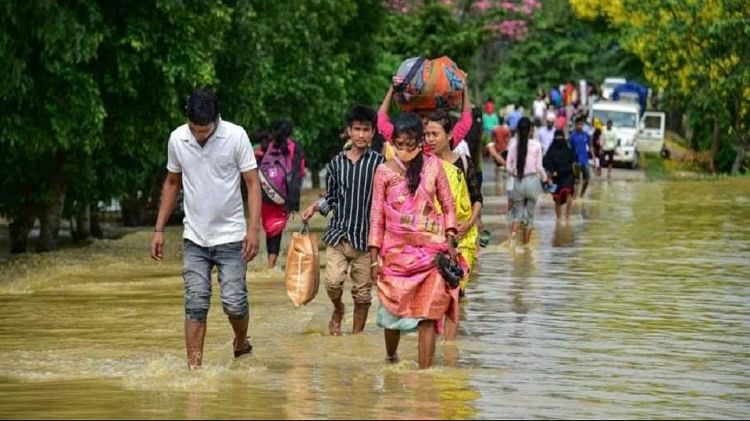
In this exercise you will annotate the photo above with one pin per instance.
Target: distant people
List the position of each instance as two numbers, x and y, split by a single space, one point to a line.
568 93
497 149
596 145
540 110
349 187
559 162
525 166
580 141
514 117
406 235
610 142
207 157
489 118
546 133
555 98
282 169
561 121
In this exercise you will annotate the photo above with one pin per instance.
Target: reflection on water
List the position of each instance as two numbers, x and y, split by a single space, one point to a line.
636 307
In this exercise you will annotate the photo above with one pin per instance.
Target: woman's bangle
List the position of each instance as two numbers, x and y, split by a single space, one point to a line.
158 230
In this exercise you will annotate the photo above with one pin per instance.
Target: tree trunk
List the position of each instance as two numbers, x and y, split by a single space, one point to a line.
96 227
715 143
739 159
49 220
132 211
315 175
18 231
83 223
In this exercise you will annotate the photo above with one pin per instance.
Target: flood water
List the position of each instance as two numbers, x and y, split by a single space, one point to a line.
637 308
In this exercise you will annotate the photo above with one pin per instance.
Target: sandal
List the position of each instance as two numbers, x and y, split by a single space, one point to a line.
243 351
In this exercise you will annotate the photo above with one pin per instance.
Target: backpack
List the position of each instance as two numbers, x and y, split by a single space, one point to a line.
275 174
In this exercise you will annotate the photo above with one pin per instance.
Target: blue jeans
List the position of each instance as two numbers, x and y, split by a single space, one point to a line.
196 272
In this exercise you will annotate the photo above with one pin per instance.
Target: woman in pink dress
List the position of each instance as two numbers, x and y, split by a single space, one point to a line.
407 231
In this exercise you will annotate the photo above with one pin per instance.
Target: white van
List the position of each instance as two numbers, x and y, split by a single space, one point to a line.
635 134
610 84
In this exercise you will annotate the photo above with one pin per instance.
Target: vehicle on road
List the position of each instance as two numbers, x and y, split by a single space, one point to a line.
610 84
635 133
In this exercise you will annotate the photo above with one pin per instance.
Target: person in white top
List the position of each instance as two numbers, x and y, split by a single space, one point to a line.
610 141
208 157
525 166
462 149
540 108
546 134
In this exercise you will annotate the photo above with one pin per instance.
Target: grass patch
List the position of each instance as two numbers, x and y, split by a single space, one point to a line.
654 167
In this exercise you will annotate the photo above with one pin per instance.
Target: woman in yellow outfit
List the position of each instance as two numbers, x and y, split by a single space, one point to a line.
467 196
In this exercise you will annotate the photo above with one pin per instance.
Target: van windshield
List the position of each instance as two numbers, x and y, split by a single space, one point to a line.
619 118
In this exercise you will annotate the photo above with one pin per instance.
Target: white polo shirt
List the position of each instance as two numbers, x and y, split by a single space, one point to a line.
211 177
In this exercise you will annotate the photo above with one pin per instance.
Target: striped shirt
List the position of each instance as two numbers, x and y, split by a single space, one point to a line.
349 196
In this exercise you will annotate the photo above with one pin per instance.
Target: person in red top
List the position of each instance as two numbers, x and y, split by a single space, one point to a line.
275 216
562 120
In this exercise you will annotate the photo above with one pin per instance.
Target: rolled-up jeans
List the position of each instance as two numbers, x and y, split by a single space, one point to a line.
196 272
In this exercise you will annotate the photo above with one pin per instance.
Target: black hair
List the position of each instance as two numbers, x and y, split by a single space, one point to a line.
410 125
261 137
362 114
282 130
202 107
524 127
443 118
580 119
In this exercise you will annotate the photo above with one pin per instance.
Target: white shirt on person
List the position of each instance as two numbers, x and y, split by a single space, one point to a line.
462 149
540 109
545 136
211 179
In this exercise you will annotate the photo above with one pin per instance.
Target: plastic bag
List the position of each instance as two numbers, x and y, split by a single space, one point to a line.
302 267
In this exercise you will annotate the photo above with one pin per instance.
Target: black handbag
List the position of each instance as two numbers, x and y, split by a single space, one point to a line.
451 271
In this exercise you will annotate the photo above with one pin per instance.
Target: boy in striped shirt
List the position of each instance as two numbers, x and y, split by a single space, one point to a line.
349 183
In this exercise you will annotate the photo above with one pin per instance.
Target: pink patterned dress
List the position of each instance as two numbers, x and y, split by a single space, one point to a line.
409 230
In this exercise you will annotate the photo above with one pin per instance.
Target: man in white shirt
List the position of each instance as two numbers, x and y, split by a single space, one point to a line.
540 108
610 140
207 157
546 134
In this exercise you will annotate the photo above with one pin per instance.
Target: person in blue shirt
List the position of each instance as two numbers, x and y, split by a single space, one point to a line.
514 117
581 141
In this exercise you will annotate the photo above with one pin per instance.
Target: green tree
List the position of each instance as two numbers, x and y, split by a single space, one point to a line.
92 91
301 60
561 47
52 109
697 52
